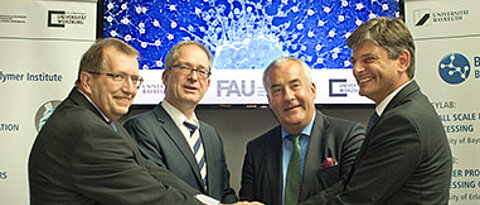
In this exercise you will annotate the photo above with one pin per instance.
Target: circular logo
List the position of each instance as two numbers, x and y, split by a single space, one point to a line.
454 68
44 112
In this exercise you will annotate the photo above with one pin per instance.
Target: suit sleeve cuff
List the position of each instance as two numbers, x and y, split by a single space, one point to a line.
206 199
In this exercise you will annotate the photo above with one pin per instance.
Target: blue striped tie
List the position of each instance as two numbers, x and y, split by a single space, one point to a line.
197 147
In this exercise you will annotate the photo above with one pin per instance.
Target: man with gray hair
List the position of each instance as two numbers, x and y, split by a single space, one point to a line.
308 152
405 158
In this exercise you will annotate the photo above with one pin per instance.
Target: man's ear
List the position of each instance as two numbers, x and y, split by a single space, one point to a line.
165 77
404 60
86 80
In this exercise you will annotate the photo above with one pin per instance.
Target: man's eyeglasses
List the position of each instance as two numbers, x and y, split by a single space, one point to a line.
122 78
203 73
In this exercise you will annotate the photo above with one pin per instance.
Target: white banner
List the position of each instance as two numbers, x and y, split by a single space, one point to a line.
41 44
447 37
334 86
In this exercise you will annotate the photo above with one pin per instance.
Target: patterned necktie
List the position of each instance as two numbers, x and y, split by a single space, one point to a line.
373 120
292 187
195 143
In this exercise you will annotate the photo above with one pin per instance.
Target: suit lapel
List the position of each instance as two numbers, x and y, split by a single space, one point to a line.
315 154
274 167
177 137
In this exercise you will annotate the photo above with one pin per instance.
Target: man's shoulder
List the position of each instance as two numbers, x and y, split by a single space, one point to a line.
336 122
267 136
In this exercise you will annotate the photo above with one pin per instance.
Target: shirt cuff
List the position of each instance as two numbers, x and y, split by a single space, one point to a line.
207 200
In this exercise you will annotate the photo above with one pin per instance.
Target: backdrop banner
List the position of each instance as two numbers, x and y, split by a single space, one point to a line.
41 44
448 70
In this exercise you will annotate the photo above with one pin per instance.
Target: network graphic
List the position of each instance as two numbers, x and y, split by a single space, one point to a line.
454 68
244 34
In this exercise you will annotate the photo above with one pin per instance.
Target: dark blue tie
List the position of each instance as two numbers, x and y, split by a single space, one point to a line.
373 120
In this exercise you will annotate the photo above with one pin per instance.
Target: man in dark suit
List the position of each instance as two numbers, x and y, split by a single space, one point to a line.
308 152
83 156
405 158
165 134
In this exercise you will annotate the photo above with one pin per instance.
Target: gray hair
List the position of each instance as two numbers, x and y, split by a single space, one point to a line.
281 61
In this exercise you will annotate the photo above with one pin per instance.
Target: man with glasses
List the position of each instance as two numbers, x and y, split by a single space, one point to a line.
83 156
171 134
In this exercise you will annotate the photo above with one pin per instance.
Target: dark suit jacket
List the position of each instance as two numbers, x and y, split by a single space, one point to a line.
77 158
405 158
331 137
160 140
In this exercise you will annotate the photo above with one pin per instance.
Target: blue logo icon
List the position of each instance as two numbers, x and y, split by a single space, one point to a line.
454 68
44 112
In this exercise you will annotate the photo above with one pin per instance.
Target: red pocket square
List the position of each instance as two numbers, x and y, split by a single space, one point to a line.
328 162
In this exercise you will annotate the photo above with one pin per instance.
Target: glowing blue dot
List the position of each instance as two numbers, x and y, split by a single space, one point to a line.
172 8
173 24
158 42
318 47
385 7
295 9
358 22
303 48
159 63
145 67
336 50
359 6
310 12
249 9
372 16
141 30
346 63
125 21
344 3
321 23
299 26
327 10
141 25
310 34
124 6
109 19
143 44
341 18
156 23
236 11
335 55
113 33
109 6
128 37
331 34
170 37
138 9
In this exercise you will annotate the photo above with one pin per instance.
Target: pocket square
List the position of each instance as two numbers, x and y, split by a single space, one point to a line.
328 162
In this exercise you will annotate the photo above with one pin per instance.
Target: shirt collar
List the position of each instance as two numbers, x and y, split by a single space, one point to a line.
381 107
306 131
177 116
91 102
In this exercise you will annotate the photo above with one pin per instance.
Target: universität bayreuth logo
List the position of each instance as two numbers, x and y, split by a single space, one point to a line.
454 68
